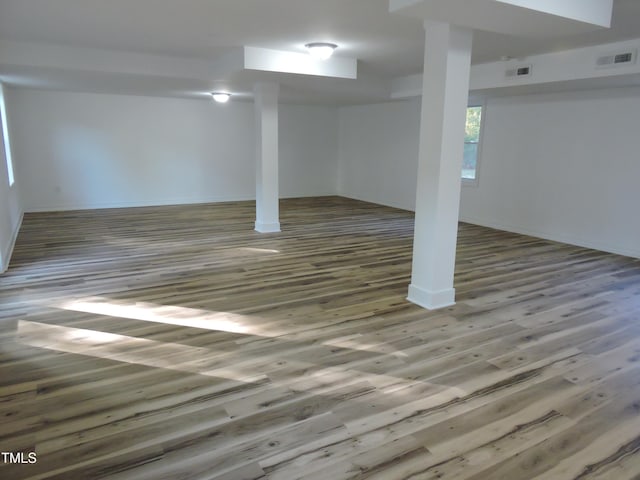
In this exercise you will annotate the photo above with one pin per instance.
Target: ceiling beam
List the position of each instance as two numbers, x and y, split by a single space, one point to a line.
280 61
540 18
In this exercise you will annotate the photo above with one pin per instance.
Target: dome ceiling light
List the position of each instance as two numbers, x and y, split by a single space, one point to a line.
221 97
321 50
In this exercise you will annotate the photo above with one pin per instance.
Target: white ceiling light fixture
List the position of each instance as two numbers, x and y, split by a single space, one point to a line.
221 97
321 50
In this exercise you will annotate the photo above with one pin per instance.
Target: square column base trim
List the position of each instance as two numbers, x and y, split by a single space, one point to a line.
267 227
431 300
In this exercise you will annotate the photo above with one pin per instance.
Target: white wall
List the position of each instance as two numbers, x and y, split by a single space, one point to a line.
308 163
557 71
10 206
82 150
563 167
378 152
560 166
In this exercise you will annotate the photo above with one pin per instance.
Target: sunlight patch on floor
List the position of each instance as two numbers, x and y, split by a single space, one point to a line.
216 321
258 250
168 314
354 342
123 348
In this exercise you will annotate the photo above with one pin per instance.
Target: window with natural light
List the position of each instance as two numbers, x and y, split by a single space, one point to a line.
5 136
471 143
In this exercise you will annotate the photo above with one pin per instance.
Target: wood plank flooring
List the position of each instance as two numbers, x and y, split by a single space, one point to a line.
177 343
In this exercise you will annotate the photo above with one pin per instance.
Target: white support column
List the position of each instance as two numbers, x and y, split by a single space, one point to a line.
445 91
266 111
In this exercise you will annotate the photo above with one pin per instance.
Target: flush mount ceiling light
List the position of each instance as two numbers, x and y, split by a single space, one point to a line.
321 50
221 97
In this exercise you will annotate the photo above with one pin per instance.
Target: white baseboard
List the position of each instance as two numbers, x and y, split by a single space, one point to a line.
63 207
267 227
377 202
308 195
431 300
6 256
569 239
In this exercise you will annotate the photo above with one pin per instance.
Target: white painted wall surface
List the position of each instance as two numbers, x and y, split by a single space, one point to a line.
560 166
10 205
82 150
378 152
308 150
567 70
563 167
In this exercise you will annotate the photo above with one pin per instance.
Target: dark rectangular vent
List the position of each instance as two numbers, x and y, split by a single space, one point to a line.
616 59
623 58
521 71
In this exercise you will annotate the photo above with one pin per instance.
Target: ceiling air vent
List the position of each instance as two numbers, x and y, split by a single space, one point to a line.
617 59
520 71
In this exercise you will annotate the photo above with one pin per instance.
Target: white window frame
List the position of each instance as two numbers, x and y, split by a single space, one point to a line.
11 179
469 182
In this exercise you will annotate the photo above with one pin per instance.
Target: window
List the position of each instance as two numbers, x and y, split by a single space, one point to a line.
471 143
5 136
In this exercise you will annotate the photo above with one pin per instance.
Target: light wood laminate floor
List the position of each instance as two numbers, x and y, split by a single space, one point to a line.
177 343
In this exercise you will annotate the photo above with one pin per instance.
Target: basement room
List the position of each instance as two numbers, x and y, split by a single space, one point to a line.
319 240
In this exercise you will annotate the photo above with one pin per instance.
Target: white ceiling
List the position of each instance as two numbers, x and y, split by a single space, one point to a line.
386 45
